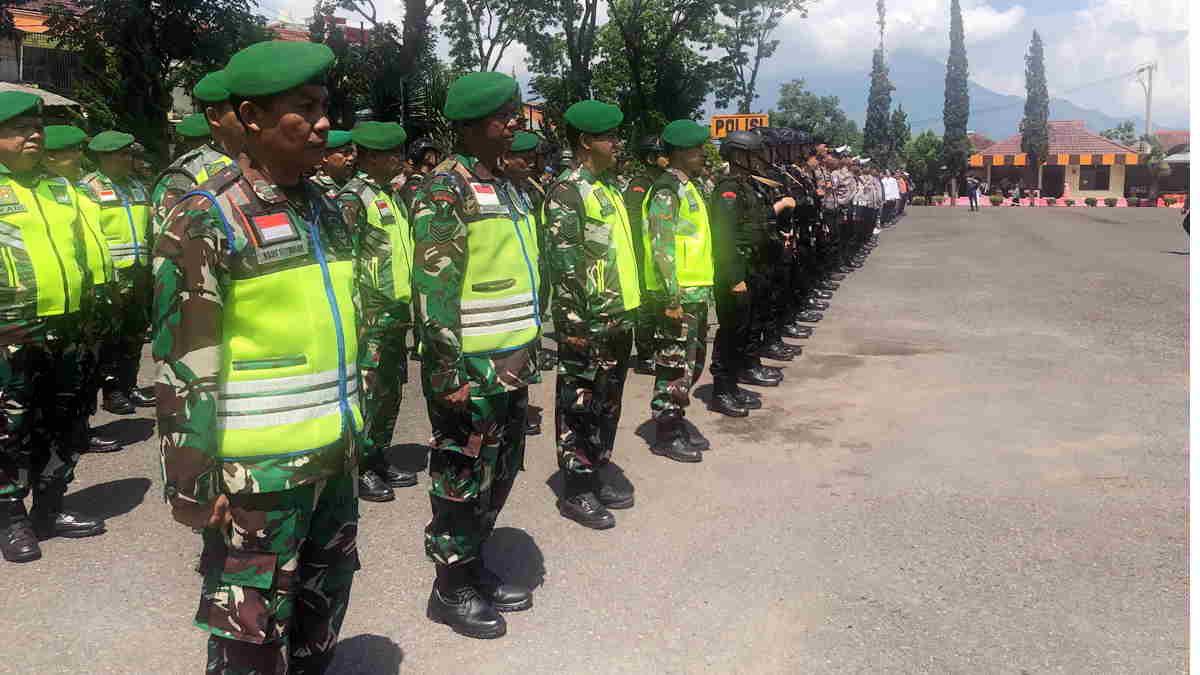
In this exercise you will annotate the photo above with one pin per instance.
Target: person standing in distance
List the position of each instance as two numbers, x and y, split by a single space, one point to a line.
260 420
475 287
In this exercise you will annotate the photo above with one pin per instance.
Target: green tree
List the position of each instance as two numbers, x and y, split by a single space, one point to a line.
956 111
899 133
923 161
1123 133
652 33
562 59
819 115
347 81
135 52
481 31
877 127
1155 161
1035 126
745 37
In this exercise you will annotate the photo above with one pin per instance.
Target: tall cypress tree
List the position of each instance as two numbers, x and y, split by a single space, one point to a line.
898 134
877 128
956 147
1035 127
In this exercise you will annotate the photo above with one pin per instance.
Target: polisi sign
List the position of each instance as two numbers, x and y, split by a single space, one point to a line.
722 125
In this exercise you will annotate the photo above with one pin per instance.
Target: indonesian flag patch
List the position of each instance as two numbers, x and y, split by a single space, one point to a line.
108 195
274 228
485 194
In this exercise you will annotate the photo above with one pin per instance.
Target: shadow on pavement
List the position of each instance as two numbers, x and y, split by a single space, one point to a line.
515 556
646 431
128 431
409 456
109 500
1177 252
704 392
366 655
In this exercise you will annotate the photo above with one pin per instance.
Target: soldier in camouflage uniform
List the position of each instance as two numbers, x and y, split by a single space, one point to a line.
479 322
260 422
650 151
45 303
125 219
591 254
424 157
226 137
383 355
338 165
62 157
677 244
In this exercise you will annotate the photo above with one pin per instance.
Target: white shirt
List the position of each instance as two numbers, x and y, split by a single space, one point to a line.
891 189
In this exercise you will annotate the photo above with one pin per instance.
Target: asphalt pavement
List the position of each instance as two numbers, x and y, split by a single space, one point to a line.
979 465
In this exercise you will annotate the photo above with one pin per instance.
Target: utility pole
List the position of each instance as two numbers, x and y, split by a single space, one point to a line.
1148 87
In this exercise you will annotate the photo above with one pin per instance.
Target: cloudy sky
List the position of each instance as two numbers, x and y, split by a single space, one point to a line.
1086 41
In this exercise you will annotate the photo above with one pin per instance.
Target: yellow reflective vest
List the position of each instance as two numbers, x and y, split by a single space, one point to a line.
383 214
41 249
124 218
499 303
693 241
288 383
603 205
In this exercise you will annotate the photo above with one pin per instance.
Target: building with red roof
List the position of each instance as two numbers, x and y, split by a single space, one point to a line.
1080 164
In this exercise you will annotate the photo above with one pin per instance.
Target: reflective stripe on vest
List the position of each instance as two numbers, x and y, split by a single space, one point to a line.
124 218
693 241
499 304
283 391
99 259
619 242
42 237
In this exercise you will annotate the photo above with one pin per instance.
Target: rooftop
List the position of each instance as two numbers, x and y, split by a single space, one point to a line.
1067 137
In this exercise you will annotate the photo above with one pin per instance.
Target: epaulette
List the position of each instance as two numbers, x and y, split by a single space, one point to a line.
221 180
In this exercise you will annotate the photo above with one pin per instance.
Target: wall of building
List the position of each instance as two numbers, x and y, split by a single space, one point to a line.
1116 183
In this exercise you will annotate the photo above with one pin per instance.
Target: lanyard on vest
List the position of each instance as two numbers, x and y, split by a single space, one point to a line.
315 237
133 233
510 198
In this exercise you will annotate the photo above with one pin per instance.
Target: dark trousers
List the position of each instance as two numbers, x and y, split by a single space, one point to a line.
121 353
733 342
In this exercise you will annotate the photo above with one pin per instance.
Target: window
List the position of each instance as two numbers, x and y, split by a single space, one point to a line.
1093 177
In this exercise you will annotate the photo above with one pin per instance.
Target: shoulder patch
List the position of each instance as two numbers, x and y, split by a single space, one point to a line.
638 188
729 195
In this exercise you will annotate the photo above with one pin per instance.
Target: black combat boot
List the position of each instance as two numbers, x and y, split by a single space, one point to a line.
822 294
837 276
749 400
455 602
817 305
643 366
724 401
50 519
117 402
612 495
757 376
18 542
796 331
143 397
693 437
100 443
776 351
772 372
809 316
392 475
670 441
505 597
580 503
372 488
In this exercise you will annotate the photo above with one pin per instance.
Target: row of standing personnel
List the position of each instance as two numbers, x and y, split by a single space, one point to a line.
281 305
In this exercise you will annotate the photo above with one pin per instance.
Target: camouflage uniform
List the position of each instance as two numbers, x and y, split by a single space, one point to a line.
382 352
277 585
327 184
682 343
120 355
589 303
40 359
477 449
181 177
646 316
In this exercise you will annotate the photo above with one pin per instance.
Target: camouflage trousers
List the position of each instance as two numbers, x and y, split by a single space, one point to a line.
39 396
277 584
121 352
679 361
383 392
477 451
591 382
646 317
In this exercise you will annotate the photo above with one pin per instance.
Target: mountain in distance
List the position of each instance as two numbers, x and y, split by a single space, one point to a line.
920 86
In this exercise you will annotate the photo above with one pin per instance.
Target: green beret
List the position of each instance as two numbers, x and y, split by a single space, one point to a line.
193 126
212 88
594 117
524 141
379 135
336 139
15 103
684 134
62 136
477 95
266 68
110 141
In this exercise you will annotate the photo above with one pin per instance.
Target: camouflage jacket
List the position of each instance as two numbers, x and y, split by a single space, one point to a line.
587 282
19 321
407 193
661 215
442 206
192 276
181 177
383 315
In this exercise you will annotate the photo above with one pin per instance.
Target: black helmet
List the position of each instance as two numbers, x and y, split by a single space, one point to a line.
748 141
650 145
418 148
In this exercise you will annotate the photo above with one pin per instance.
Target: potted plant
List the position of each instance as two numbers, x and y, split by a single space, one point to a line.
1069 202
996 200
1050 201
1090 201
1168 201
918 201
1110 202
